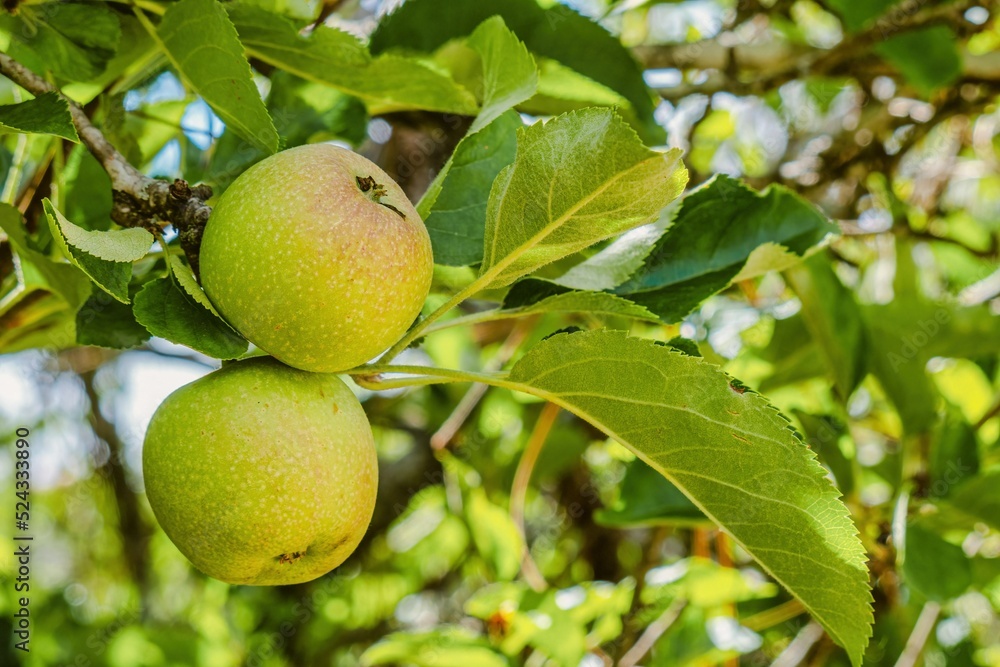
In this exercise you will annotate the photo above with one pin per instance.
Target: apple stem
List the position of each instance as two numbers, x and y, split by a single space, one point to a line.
375 192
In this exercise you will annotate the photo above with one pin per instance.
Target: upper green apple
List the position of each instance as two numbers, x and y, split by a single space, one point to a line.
262 474
317 257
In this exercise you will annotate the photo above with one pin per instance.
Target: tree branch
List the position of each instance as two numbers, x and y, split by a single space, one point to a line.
139 201
921 632
776 62
519 490
653 633
468 403
799 648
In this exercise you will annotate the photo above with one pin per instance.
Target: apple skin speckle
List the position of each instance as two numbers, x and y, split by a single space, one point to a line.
311 268
236 485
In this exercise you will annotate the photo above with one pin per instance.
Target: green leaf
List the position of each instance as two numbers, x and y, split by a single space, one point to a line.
456 219
46 114
106 257
106 322
557 32
166 308
448 647
187 282
36 319
454 206
708 585
936 568
304 11
544 621
960 332
577 179
38 312
646 498
561 89
856 13
136 58
979 497
73 40
613 265
495 535
64 279
722 231
901 366
119 245
387 83
728 450
954 455
536 620
152 126
792 353
202 44
303 112
833 317
823 434
536 295
87 197
509 73
927 58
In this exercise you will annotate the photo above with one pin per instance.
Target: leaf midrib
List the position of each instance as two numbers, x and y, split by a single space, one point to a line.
548 229
583 414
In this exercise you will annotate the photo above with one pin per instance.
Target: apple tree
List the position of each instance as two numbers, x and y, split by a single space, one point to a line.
672 325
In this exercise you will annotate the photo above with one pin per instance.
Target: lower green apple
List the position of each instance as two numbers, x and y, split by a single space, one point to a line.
262 474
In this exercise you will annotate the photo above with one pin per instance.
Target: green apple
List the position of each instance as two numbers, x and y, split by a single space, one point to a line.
317 257
262 474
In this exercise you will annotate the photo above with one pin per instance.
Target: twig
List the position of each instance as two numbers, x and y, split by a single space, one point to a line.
723 549
992 412
652 633
36 181
777 62
918 638
139 201
519 490
471 399
651 557
10 186
133 528
769 618
821 655
724 554
700 543
799 648
922 235
605 658
327 9
894 22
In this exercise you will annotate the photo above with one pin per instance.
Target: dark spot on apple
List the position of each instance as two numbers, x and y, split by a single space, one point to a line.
291 557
